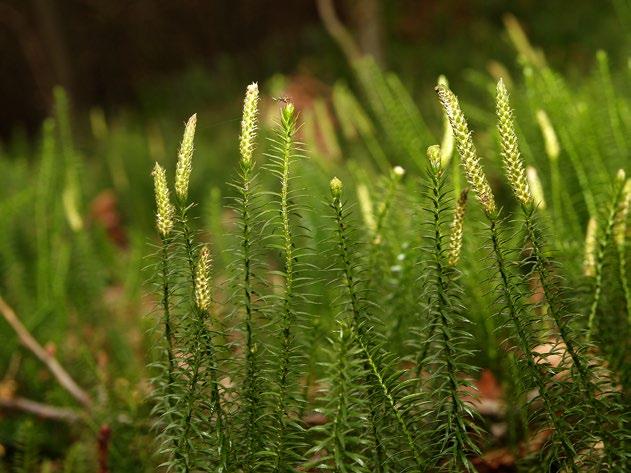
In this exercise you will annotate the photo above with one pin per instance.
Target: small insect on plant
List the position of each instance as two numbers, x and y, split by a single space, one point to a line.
283 98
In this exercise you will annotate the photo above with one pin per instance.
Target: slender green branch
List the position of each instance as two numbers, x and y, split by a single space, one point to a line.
166 309
525 344
603 244
359 324
284 155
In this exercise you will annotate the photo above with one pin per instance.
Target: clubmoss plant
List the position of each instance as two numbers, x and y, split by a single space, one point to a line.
384 387
379 217
468 154
457 229
436 250
221 448
519 318
585 385
510 150
284 448
237 389
192 327
383 208
164 223
344 447
603 242
247 205
452 417
182 177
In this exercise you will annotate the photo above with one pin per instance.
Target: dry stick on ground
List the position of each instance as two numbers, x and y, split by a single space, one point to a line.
43 411
49 360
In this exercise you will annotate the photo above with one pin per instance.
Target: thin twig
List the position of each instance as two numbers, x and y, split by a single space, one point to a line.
338 31
45 357
43 411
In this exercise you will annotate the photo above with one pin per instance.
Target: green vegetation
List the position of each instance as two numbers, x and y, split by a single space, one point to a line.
323 323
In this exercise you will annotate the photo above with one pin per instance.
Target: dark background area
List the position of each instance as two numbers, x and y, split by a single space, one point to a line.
148 54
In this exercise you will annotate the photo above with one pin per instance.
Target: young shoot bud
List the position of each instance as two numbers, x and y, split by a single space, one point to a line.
549 136
457 225
185 160
366 207
621 176
447 143
288 114
468 154
202 276
511 156
336 188
398 172
249 124
536 188
164 208
591 241
433 154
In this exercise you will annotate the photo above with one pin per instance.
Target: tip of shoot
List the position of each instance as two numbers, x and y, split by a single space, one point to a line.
433 154
336 187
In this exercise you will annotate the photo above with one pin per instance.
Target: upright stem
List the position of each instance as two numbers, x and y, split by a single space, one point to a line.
442 287
603 245
343 387
382 213
554 309
372 364
168 333
557 203
166 308
288 315
356 326
554 305
441 282
196 348
188 242
525 344
250 360
622 271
